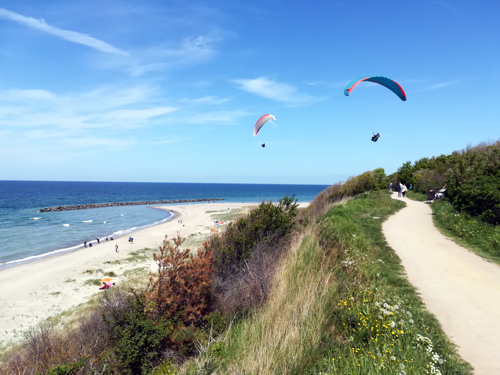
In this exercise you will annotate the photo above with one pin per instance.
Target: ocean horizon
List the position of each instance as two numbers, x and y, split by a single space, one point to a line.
27 234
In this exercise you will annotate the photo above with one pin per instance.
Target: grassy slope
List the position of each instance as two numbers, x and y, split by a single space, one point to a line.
465 230
326 312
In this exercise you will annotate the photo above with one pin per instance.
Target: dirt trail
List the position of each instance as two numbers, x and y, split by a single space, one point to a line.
460 288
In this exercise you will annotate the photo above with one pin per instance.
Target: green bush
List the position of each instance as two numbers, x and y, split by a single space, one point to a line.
268 222
67 369
137 340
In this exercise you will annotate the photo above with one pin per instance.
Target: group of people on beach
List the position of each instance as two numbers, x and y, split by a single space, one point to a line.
402 189
98 241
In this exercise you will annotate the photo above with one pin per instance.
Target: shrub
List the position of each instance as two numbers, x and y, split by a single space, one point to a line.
269 222
181 288
136 339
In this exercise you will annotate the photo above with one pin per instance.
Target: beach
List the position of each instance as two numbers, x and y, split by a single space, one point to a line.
32 292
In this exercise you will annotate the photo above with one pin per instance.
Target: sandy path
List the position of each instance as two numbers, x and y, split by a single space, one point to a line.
460 288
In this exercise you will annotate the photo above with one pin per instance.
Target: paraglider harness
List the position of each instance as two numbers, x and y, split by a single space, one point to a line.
375 137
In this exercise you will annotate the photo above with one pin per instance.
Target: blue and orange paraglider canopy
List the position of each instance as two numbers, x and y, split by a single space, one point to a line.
384 81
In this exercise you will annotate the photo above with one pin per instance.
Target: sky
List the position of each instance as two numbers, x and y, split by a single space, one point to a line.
169 91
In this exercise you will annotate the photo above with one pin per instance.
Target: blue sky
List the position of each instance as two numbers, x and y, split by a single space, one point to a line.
169 91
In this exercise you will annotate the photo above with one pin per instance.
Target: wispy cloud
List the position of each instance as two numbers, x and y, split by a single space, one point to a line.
271 89
438 86
216 117
106 119
188 53
69 35
446 5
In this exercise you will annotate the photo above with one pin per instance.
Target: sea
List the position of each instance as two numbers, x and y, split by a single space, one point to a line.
27 234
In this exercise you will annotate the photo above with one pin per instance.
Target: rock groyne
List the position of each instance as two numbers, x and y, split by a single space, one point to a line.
114 204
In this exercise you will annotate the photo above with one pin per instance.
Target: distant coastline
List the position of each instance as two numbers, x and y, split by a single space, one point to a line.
114 204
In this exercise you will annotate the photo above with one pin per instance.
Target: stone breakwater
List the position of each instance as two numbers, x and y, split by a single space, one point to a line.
99 205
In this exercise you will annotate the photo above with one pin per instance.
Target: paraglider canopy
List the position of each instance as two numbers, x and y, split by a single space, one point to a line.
260 123
384 81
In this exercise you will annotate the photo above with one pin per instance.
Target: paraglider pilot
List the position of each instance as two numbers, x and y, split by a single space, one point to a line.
375 137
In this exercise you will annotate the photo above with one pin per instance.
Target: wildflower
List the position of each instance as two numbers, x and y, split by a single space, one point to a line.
411 321
393 324
393 358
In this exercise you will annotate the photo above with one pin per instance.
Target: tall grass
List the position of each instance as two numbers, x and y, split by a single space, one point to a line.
284 335
339 304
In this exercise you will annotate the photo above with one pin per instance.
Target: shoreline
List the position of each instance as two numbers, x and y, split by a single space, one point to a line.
80 246
33 291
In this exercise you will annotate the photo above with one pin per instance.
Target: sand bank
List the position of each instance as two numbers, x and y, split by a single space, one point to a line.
32 292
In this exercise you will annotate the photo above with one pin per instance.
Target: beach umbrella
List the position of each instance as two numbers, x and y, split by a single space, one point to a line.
106 279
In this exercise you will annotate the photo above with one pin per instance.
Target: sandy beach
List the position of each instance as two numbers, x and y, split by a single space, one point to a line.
32 292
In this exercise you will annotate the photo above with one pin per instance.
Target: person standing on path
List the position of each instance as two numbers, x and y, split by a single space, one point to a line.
116 247
404 189
390 187
399 189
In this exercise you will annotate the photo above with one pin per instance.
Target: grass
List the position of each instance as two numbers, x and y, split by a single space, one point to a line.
96 282
476 235
380 325
229 215
342 307
140 255
195 240
91 272
416 196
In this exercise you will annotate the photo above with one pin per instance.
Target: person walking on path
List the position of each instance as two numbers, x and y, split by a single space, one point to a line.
399 189
390 187
404 189
116 247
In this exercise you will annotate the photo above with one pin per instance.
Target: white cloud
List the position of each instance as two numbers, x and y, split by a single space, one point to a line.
447 5
69 35
220 117
158 58
42 125
438 86
270 89
206 100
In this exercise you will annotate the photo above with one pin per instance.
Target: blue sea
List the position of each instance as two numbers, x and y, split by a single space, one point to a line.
26 234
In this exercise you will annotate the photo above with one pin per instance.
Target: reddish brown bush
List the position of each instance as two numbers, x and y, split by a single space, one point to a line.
181 288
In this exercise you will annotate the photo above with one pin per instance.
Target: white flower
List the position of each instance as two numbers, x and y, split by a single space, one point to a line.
401 366
396 307
411 321
393 358
393 324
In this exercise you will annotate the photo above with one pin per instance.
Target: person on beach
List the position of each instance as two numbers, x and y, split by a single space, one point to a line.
390 187
85 244
97 239
116 248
